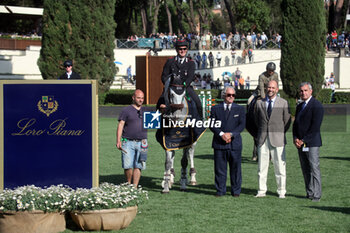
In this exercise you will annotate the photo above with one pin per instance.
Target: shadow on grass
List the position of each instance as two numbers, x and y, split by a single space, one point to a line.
211 157
147 182
344 210
336 158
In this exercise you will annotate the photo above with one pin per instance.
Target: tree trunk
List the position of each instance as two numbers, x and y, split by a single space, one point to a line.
337 14
144 22
347 12
155 17
193 21
169 17
230 15
179 15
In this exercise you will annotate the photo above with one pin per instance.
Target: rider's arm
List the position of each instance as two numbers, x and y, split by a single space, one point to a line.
190 73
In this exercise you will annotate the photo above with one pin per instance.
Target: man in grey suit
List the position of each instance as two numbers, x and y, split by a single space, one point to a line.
273 119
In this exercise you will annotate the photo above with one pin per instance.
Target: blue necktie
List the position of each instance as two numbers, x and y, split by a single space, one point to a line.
269 108
227 111
303 106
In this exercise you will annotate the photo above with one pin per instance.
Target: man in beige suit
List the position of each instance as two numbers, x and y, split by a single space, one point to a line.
273 119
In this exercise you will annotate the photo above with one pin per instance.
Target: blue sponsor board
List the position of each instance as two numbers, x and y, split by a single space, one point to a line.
48 134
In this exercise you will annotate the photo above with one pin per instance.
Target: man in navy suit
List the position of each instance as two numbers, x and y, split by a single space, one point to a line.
227 142
307 139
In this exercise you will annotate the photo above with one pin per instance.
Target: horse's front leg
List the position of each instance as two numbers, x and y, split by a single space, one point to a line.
184 163
166 183
193 172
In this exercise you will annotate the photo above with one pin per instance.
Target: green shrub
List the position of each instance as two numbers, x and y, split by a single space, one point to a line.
342 97
118 97
215 93
324 96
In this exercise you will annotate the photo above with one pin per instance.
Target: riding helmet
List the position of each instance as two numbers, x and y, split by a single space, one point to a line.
68 63
271 66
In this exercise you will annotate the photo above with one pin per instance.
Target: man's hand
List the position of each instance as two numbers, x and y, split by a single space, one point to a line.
119 145
226 137
298 143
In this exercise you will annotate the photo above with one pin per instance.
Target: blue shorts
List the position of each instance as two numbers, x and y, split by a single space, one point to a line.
131 159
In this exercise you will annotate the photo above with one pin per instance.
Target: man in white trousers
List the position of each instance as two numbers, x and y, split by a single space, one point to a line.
272 117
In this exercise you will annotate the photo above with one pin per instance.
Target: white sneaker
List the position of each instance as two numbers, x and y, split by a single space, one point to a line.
260 195
282 196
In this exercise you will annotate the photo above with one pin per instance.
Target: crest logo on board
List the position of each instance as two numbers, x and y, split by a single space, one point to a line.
47 105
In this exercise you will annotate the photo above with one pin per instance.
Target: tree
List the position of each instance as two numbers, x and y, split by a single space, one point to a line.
82 31
230 14
251 15
303 47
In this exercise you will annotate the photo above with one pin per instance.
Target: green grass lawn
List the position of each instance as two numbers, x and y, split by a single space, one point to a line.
198 210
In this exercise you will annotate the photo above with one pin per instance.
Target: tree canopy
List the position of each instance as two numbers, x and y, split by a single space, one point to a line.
303 48
82 31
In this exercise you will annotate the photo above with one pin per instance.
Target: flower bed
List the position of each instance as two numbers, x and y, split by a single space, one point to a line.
28 203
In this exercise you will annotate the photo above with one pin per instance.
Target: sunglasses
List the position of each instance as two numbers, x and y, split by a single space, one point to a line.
182 49
139 113
66 66
230 95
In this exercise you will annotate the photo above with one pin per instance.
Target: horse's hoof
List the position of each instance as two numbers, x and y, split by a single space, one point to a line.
183 190
165 192
193 183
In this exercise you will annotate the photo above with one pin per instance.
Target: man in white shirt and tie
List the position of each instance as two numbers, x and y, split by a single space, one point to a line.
272 116
227 142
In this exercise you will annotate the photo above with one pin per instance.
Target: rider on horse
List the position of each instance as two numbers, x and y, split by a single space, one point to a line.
181 67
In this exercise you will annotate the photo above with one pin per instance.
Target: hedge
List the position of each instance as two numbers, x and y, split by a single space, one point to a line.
124 97
342 97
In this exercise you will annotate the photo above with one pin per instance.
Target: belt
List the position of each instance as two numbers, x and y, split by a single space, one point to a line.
135 140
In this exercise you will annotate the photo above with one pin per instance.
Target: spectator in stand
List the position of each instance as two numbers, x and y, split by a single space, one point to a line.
236 81
334 37
204 81
237 40
241 83
247 83
128 71
218 58
233 55
238 73
208 82
223 41
249 40
331 78
250 55
264 39
226 78
259 40
278 40
203 42
207 40
326 82
204 61
198 60
211 59
254 40
244 56
228 41
218 84
243 40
